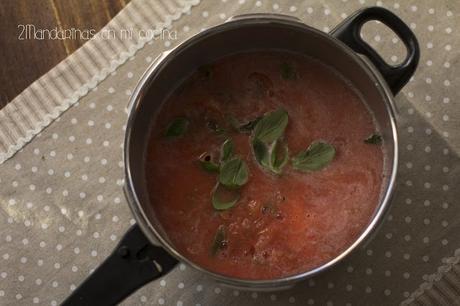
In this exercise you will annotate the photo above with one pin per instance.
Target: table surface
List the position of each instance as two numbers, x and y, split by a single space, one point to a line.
62 208
23 61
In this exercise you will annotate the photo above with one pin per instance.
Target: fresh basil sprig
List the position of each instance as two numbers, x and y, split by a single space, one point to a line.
279 156
227 150
219 240
268 149
234 173
317 156
271 126
271 157
261 153
177 127
224 198
373 139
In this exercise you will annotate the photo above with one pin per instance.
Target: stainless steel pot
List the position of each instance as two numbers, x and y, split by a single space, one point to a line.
145 253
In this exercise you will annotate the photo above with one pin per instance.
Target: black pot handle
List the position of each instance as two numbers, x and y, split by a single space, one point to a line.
349 32
133 263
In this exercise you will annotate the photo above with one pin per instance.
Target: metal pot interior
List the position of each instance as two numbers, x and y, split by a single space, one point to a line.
242 36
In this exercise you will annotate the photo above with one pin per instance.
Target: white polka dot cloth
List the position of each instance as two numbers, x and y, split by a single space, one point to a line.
62 206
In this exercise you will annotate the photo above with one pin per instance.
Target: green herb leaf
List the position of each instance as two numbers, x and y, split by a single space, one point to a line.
224 198
279 156
269 152
207 164
234 173
273 157
261 153
373 139
317 156
177 127
227 150
219 240
271 126
288 71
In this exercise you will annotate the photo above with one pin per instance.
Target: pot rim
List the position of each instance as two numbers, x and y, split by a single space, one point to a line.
154 235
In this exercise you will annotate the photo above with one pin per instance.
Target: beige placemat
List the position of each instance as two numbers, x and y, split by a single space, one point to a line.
47 98
62 206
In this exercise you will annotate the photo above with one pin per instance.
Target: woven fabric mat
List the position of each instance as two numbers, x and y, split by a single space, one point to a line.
62 206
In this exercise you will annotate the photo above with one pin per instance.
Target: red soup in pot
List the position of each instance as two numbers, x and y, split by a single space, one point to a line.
263 165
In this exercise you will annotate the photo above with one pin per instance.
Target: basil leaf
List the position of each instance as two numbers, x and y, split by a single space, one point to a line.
209 166
279 156
261 153
288 71
373 139
224 198
271 126
273 157
177 127
317 156
227 150
219 240
234 173
207 163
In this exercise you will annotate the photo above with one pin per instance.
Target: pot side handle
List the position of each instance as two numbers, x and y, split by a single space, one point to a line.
133 263
262 16
349 32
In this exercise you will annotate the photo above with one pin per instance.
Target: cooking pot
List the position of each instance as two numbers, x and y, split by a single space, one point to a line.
145 252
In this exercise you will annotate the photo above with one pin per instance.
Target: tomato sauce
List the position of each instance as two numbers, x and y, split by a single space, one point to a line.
282 224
